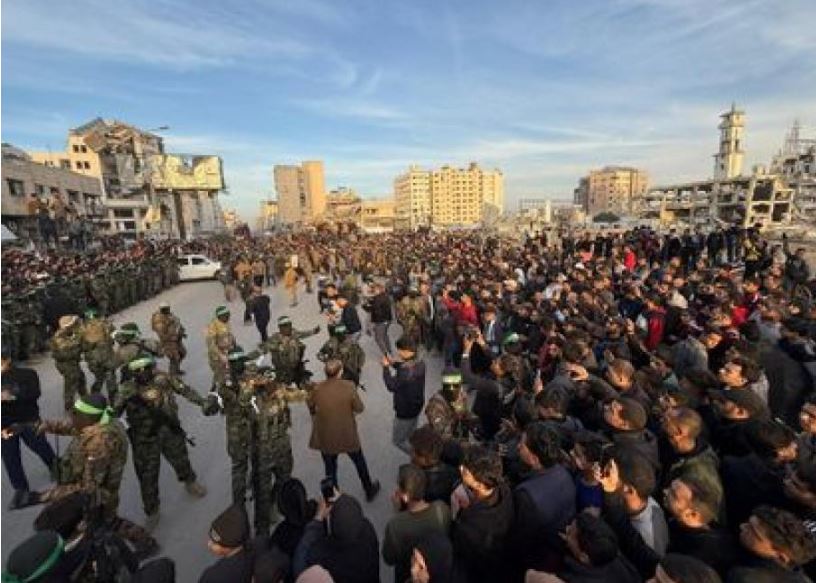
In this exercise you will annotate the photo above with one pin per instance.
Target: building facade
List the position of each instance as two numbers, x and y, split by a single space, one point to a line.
343 205
448 197
65 192
301 192
378 215
611 189
268 218
145 190
774 196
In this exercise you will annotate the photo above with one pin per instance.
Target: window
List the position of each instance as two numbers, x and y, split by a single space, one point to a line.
73 195
79 165
65 164
39 189
83 149
181 261
123 213
199 260
76 148
16 187
87 165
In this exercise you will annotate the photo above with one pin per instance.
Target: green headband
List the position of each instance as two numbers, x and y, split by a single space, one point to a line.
48 564
83 407
221 311
140 363
452 379
511 338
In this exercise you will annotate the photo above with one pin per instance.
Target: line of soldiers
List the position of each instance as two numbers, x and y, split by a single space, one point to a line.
30 313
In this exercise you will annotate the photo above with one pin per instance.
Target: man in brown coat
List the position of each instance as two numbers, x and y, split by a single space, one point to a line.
334 404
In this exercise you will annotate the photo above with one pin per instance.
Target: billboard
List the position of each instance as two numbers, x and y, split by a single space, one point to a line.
183 172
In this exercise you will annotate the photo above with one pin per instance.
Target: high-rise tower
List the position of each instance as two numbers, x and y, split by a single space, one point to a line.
728 161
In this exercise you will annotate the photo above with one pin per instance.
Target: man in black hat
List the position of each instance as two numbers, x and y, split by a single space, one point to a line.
20 393
229 538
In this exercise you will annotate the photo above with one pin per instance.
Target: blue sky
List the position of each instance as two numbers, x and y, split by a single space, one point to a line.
542 89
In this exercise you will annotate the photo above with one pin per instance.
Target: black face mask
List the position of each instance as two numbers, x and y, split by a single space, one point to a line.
237 368
165 310
143 377
450 393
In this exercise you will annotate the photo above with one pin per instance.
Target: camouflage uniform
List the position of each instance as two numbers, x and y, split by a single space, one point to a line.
350 289
130 349
97 344
258 418
93 463
100 292
219 340
66 348
170 332
450 421
410 313
155 430
286 353
30 320
11 325
346 351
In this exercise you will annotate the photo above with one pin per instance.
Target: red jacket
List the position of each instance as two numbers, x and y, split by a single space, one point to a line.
630 260
467 316
656 325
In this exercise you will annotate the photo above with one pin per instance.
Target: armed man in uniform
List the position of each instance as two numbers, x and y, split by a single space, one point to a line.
130 345
410 314
155 429
220 341
447 410
93 464
286 352
171 333
258 420
97 344
66 348
342 347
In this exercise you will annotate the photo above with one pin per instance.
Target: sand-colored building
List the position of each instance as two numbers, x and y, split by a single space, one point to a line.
301 192
448 196
378 215
611 189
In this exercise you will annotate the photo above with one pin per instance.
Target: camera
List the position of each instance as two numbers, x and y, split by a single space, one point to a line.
327 489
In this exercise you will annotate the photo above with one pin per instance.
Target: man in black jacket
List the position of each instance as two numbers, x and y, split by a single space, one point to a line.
260 311
20 392
381 315
693 529
408 388
485 516
349 317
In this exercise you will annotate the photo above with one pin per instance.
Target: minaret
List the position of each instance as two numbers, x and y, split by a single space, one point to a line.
728 161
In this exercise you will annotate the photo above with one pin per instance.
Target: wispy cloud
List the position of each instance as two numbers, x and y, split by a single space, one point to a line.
542 90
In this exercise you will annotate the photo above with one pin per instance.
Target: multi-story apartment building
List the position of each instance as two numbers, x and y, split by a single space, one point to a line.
26 184
447 196
611 189
301 192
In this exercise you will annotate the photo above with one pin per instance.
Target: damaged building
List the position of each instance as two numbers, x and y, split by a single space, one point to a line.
145 189
773 197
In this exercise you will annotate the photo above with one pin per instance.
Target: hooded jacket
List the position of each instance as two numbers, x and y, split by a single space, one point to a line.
345 545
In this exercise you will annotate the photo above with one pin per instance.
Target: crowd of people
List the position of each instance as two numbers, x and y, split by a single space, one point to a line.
615 407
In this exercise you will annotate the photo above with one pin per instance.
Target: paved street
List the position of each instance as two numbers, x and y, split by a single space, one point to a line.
185 521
